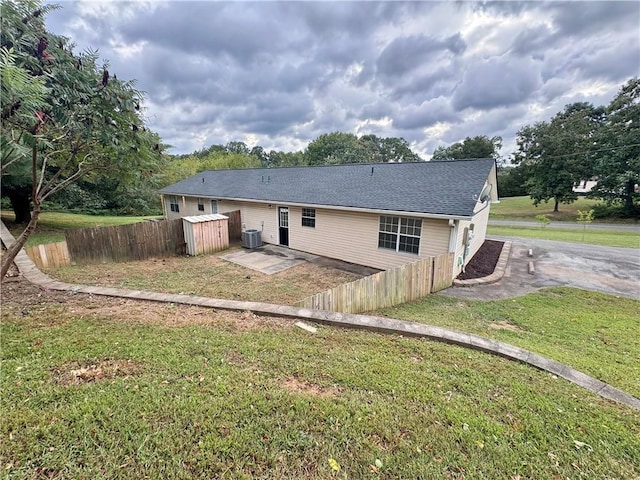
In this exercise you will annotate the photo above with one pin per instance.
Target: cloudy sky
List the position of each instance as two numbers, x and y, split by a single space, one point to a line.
278 74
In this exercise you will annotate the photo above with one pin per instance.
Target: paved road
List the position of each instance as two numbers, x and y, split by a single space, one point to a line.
594 226
612 270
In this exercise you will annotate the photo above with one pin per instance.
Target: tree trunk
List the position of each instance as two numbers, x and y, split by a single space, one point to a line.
21 204
628 198
555 207
12 250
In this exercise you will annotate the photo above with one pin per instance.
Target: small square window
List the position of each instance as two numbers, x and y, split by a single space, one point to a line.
309 217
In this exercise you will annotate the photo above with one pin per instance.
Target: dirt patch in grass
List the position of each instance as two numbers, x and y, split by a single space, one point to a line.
302 387
78 373
505 326
27 300
209 276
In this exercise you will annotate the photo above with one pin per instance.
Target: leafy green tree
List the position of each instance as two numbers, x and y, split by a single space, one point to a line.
554 155
286 159
182 167
618 151
335 148
341 148
511 181
384 150
87 123
585 217
237 147
479 146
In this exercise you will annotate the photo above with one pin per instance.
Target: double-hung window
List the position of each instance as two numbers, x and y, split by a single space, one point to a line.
214 206
200 205
400 234
173 204
309 217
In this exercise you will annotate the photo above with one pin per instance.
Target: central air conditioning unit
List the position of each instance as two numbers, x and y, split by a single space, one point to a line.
251 239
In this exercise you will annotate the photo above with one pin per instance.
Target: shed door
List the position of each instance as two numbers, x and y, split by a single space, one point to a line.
283 225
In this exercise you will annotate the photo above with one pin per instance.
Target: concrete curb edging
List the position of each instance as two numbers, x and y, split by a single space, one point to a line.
346 320
497 274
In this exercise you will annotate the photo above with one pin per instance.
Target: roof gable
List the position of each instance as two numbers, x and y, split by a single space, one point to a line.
439 187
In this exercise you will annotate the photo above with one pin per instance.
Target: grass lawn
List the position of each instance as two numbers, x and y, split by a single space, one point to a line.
99 388
208 276
592 332
522 208
51 225
611 238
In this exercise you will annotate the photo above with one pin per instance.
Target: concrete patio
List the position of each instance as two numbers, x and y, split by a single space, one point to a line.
269 259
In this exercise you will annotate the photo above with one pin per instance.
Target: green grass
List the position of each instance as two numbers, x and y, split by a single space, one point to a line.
51 225
611 238
522 208
593 332
219 402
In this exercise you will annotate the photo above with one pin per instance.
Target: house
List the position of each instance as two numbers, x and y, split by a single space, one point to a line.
585 186
379 215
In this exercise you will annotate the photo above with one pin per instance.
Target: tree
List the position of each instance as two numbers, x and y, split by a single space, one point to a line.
554 155
237 147
22 96
385 150
341 148
88 121
181 167
618 151
511 181
479 146
335 148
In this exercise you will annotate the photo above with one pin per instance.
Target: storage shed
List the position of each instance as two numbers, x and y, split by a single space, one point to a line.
206 233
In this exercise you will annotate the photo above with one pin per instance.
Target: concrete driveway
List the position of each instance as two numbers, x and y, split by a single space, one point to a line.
611 270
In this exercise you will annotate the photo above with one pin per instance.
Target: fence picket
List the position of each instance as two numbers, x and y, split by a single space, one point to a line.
402 284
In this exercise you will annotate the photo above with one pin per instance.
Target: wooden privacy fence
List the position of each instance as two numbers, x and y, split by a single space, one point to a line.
136 241
442 272
402 284
49 255
235 225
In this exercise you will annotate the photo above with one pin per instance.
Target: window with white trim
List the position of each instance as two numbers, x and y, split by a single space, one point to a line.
309 217
200 205
400 234
173 204
214 206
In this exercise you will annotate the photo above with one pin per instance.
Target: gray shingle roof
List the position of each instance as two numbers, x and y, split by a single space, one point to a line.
443 188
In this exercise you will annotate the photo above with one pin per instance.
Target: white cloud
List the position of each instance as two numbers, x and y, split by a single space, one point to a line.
281 73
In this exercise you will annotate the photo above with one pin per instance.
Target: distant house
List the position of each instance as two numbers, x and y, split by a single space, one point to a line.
378 215
585 186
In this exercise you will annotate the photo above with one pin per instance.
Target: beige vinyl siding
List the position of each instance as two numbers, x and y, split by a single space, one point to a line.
189 207
493 181
255 216
480 220
353 237
341 234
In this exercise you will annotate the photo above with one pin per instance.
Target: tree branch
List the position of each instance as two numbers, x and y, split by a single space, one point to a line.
68 181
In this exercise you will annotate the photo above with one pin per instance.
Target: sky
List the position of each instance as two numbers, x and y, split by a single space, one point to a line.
279 74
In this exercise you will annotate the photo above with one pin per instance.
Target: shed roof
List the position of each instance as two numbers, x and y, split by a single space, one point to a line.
205 218
436 187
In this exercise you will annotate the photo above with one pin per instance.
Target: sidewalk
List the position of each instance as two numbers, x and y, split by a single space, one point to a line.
364 322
